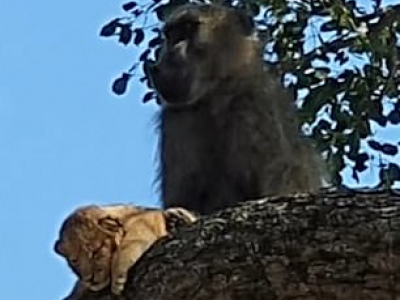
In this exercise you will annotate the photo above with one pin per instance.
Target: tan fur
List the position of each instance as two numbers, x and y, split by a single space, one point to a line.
100 244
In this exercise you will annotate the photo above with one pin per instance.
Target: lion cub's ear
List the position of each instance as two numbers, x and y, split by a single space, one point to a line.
110 225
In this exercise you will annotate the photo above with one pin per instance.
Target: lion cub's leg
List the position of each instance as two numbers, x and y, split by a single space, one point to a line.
140 233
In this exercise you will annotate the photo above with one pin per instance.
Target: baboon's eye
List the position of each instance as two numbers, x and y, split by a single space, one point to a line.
74 265
180 32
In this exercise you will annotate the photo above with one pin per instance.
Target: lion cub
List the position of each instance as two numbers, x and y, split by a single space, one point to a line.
101 243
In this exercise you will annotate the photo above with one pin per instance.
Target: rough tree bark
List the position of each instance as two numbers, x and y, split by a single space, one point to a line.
331 245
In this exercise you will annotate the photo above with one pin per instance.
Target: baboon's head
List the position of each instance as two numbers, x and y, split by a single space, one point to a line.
205 47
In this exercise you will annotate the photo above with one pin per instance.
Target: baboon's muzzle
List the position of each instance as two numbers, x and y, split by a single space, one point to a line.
171 78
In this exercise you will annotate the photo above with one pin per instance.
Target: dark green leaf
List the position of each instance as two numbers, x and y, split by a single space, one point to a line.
110 28
351 4
120 84
164 10
254 8
346 75
128 6
394 117
377 4
375 145
360 162
389 149
394 171
144 55
342 58
147 65
139 36
148 96
157 53
354 145
125 35
161 12
376 113
329 26
381 120
343 120
364 129
389 174
155 42
323 125
137 12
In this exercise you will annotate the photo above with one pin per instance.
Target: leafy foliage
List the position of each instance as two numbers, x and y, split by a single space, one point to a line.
342 59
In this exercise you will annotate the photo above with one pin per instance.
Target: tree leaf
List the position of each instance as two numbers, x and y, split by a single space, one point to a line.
110 28
389 149
347 75
364 129
155 42
129 6
161 12
144 55
346 96
137 12
139 36
164 10
329 26
374 145
394 117
120 84
341 57
125 35
394 171
389 174
360 162
148 96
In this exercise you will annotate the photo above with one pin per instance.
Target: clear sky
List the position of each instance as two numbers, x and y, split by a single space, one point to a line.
65 139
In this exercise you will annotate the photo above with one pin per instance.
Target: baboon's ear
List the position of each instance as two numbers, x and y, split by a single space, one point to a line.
58 248
246 21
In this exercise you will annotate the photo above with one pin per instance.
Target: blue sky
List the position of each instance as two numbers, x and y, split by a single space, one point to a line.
65 139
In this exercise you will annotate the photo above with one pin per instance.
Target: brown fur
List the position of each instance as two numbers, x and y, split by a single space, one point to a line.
100 244
228 130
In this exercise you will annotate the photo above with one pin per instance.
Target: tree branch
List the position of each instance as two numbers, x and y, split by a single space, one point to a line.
331 245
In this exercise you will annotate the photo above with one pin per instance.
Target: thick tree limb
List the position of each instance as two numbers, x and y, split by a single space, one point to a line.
333 245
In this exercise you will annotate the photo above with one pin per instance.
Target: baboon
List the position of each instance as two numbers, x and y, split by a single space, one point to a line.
227 129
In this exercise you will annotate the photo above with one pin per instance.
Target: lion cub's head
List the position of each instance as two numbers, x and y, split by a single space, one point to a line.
87 240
